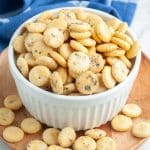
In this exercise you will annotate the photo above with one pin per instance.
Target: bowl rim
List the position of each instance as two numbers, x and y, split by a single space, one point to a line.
14 70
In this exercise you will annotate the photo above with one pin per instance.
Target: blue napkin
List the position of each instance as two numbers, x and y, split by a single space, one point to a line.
14 12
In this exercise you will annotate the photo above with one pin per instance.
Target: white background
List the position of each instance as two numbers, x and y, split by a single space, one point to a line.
141 25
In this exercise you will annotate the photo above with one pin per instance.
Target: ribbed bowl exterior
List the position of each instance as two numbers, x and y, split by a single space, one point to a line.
81 115
80 112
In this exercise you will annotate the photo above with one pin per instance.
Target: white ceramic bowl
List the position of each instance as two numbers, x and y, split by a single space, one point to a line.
80 112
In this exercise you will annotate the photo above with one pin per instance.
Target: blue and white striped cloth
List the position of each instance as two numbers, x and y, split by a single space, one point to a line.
15 12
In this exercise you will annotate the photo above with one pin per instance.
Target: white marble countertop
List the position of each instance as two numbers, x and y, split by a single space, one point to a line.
141 27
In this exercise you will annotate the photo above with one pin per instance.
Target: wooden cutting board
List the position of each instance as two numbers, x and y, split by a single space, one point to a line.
125 141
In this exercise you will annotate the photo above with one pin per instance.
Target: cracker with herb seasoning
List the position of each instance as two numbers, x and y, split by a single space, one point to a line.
87 83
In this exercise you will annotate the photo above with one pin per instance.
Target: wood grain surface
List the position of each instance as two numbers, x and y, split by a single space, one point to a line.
140 95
